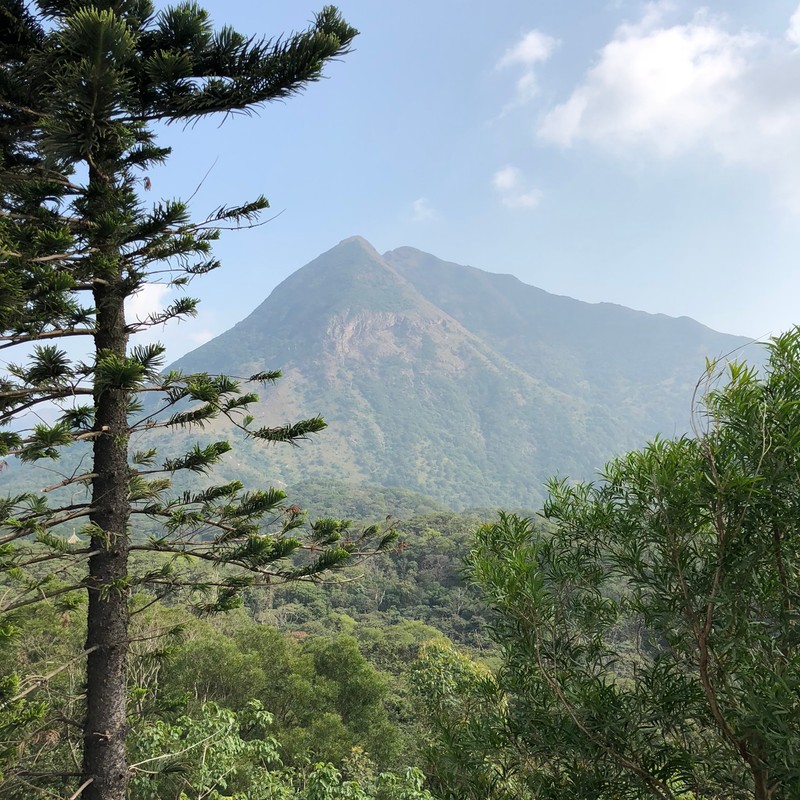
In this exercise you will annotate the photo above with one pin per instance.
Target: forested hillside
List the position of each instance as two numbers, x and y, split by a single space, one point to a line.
460 384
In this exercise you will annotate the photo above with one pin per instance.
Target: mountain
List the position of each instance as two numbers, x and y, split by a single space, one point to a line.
467 386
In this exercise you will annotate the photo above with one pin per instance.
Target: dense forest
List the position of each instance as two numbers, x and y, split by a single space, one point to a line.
170 632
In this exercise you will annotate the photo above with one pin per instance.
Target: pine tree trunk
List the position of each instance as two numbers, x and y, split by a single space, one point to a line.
105 759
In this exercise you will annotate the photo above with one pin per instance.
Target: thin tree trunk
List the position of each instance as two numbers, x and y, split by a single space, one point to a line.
105 760
763 792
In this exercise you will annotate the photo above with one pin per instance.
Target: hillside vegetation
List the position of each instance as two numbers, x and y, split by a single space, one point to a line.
459 384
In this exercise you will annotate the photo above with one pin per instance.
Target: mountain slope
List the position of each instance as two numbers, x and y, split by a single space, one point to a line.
606 354
467 386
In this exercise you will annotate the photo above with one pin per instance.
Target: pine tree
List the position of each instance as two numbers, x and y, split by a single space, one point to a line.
81 87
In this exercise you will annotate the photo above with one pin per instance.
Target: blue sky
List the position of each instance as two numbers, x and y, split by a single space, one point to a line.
646 154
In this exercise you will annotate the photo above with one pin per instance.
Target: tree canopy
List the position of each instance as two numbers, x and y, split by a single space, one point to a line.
649 638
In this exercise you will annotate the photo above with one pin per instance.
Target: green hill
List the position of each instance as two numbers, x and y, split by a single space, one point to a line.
466 386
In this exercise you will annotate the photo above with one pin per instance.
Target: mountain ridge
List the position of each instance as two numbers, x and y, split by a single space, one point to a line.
468 386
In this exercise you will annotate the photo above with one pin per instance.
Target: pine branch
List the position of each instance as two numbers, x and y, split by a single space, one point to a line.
42 596
43 680
58 333
82 478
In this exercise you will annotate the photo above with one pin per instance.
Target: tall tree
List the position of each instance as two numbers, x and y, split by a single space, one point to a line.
82 86
650 637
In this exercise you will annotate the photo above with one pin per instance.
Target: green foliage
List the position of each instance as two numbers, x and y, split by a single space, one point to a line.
220 705
418 579
463 711
650 638
325 783
225 755
361 501
41 665
324 696
216 753
16 715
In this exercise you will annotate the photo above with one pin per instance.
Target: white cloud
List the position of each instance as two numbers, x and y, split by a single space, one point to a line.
514 193
505 179
179 336
793 31
534 48
668 89
423 211
150 299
